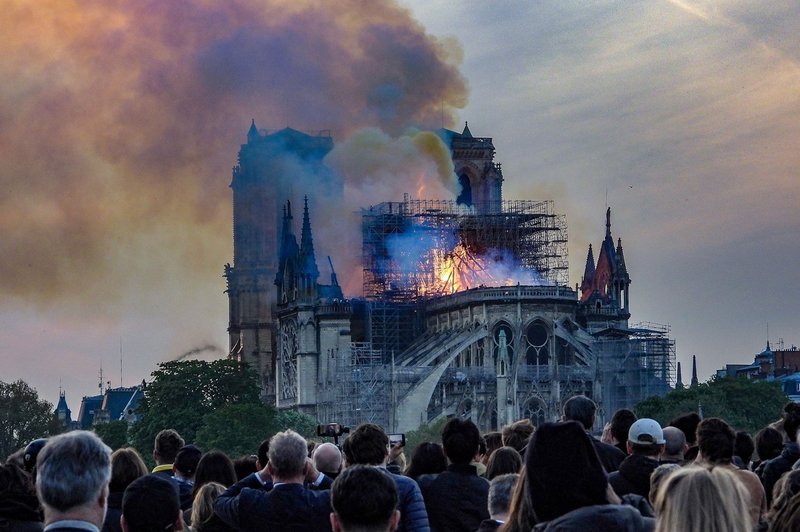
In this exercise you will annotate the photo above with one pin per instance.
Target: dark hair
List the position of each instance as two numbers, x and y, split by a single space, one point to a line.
167 444
214 466
744 447
494 440
428 458
791 419
688 424
151 504
367 444
715 439
460 440
769 443
244 465
621 423
517 434
263 453
581 409
126 466
563 470
504 460
14 481
186 460
351 505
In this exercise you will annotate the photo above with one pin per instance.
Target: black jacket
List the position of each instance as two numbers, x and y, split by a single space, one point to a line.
633 475
610 456
456 499
606 517
775 468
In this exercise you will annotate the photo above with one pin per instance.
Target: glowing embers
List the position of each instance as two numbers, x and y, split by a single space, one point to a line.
461 269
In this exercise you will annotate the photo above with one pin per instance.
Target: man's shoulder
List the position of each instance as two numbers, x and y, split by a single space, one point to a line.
607 447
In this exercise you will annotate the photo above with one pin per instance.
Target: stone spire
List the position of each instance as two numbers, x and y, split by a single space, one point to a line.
466 133
694 371
308 261
588 271
252 133
608 222
679 382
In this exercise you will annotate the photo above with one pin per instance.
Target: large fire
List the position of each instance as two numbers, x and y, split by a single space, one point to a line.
459 269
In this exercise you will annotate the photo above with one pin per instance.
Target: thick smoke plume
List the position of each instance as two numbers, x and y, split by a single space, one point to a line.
121 120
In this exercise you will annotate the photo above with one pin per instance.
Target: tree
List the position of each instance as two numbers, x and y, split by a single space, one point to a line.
744 404
431 432
113 433
23 417
236 429
182 393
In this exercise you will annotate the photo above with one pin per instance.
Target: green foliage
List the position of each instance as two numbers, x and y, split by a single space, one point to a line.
182 393
430 432
114 433
299 422
23 417
236 429
746 405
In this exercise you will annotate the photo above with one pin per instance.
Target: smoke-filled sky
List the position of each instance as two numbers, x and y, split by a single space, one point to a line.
120 122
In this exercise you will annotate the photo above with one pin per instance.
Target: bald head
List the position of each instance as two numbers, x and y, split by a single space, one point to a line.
675 445
327 458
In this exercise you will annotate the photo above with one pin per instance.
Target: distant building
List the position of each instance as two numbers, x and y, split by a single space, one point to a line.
782 365
63 412
115 404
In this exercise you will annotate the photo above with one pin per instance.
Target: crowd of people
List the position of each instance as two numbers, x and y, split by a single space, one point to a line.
693 474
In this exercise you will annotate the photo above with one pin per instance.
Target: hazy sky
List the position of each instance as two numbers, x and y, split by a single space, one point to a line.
119 125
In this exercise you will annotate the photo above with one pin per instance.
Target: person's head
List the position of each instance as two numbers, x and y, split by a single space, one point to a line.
287 456
784 490
245 465
581 409
769 443
460 440
517 434
151 504
203 504
787 519
621 423
715 440
74 470
658 476
744 447
355 512
504 460
14 481
186 461
674 443
214 466
166 446
31 452
126 466
500 491
791 420
367 444
428 458
688 424
493 440
645 437
696 498
327 458
263 454
563 471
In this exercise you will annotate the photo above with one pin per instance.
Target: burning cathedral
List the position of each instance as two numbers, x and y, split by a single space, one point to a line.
466 307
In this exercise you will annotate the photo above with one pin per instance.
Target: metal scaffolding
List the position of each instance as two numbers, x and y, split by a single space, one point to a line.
633 369
422 248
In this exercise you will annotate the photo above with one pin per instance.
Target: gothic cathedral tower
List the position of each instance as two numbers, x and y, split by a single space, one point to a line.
272 169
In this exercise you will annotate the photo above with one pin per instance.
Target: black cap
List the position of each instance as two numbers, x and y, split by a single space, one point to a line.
187 459
31 452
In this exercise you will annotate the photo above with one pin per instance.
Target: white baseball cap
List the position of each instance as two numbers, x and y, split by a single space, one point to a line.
646 431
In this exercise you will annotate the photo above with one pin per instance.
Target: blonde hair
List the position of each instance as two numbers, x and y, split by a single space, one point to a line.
697 498
203 505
